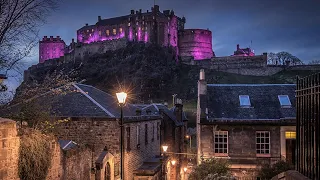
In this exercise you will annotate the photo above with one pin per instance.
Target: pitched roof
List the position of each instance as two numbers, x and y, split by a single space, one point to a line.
223 102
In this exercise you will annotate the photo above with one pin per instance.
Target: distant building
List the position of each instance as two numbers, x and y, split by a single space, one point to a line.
51 48
243 52
248 124
308 133
172 134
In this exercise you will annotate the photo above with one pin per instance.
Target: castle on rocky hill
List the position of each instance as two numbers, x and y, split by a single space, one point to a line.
163 28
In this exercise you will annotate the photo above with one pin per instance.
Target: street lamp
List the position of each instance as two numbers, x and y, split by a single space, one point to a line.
185 169
121 99
173 162
189 137
165 148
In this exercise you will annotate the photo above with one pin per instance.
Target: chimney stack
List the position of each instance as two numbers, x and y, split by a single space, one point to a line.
178 109
99 18
132 11
140 10
86 24
72 40
238 46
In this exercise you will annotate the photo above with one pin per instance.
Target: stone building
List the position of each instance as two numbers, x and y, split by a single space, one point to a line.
243 51
248 124
51 48
172 134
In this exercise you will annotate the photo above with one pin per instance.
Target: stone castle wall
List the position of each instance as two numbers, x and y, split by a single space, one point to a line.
9 150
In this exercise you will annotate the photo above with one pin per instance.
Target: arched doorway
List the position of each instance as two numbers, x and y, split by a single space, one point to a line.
107 172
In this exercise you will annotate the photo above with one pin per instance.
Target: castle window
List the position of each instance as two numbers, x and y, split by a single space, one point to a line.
129 24
146 28
153 17
92 30
90 34
142 22
114 31
99 33
142 28
88 30
137 23
107 32
120 30
129 19
137 18
139 28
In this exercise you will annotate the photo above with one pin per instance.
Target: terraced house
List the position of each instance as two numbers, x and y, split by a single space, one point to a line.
248 124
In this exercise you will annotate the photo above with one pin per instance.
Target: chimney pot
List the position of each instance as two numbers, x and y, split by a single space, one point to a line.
238 46
140 10
132 11
202 74
99 18
147 11
86 24
72 40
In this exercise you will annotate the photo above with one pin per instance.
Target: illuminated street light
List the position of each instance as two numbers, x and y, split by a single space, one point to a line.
165 148
173 162
185 169
121 99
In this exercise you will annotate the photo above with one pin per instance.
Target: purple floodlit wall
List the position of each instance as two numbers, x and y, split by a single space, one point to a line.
196 43
51 48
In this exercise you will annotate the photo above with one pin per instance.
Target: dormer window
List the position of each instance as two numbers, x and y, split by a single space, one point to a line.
244 101
284 100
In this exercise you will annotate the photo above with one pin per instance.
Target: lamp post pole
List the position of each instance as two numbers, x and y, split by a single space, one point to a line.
121 99
121 141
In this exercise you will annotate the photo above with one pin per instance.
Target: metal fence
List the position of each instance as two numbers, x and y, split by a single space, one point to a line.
308 134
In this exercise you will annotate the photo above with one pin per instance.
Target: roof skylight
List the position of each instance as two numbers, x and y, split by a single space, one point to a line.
284 100
244 100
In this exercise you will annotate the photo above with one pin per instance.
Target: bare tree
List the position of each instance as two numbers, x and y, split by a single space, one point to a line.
283 58
19 26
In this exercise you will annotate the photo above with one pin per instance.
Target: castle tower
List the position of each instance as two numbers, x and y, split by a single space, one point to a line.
51 48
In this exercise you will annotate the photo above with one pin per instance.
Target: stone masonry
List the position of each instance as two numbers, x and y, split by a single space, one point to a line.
99 133
9 150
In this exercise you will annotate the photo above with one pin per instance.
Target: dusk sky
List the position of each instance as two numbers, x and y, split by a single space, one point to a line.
271 25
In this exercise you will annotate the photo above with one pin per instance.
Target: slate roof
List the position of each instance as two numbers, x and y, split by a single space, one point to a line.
67 144
155 109
223 102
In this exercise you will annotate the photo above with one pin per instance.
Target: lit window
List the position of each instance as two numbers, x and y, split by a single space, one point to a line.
107 32
263 142
142 28
290 135
137 23
136 34
142 22
92 30
221 142
153 17
88 30
244 100
120 30
146 28
114 31
139 28
90 34
128 24
99 33
284 100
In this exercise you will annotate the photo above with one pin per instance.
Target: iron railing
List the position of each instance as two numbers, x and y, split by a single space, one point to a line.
308 134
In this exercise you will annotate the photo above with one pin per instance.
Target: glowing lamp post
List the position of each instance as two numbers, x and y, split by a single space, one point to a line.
164 148
173 162
121 99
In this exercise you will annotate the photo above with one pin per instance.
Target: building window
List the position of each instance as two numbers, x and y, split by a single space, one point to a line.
290 135
120 30
221 142
142 22
146 134
138 137
88 30
263 142
99 33
129 24
158 130
90 34
92 30
146 28
244 101
107 32
128 138
152 133
142 28
137 23
284 100
114 31
139 28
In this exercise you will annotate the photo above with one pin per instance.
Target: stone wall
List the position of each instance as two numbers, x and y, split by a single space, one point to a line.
9 150
241 145
100 133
